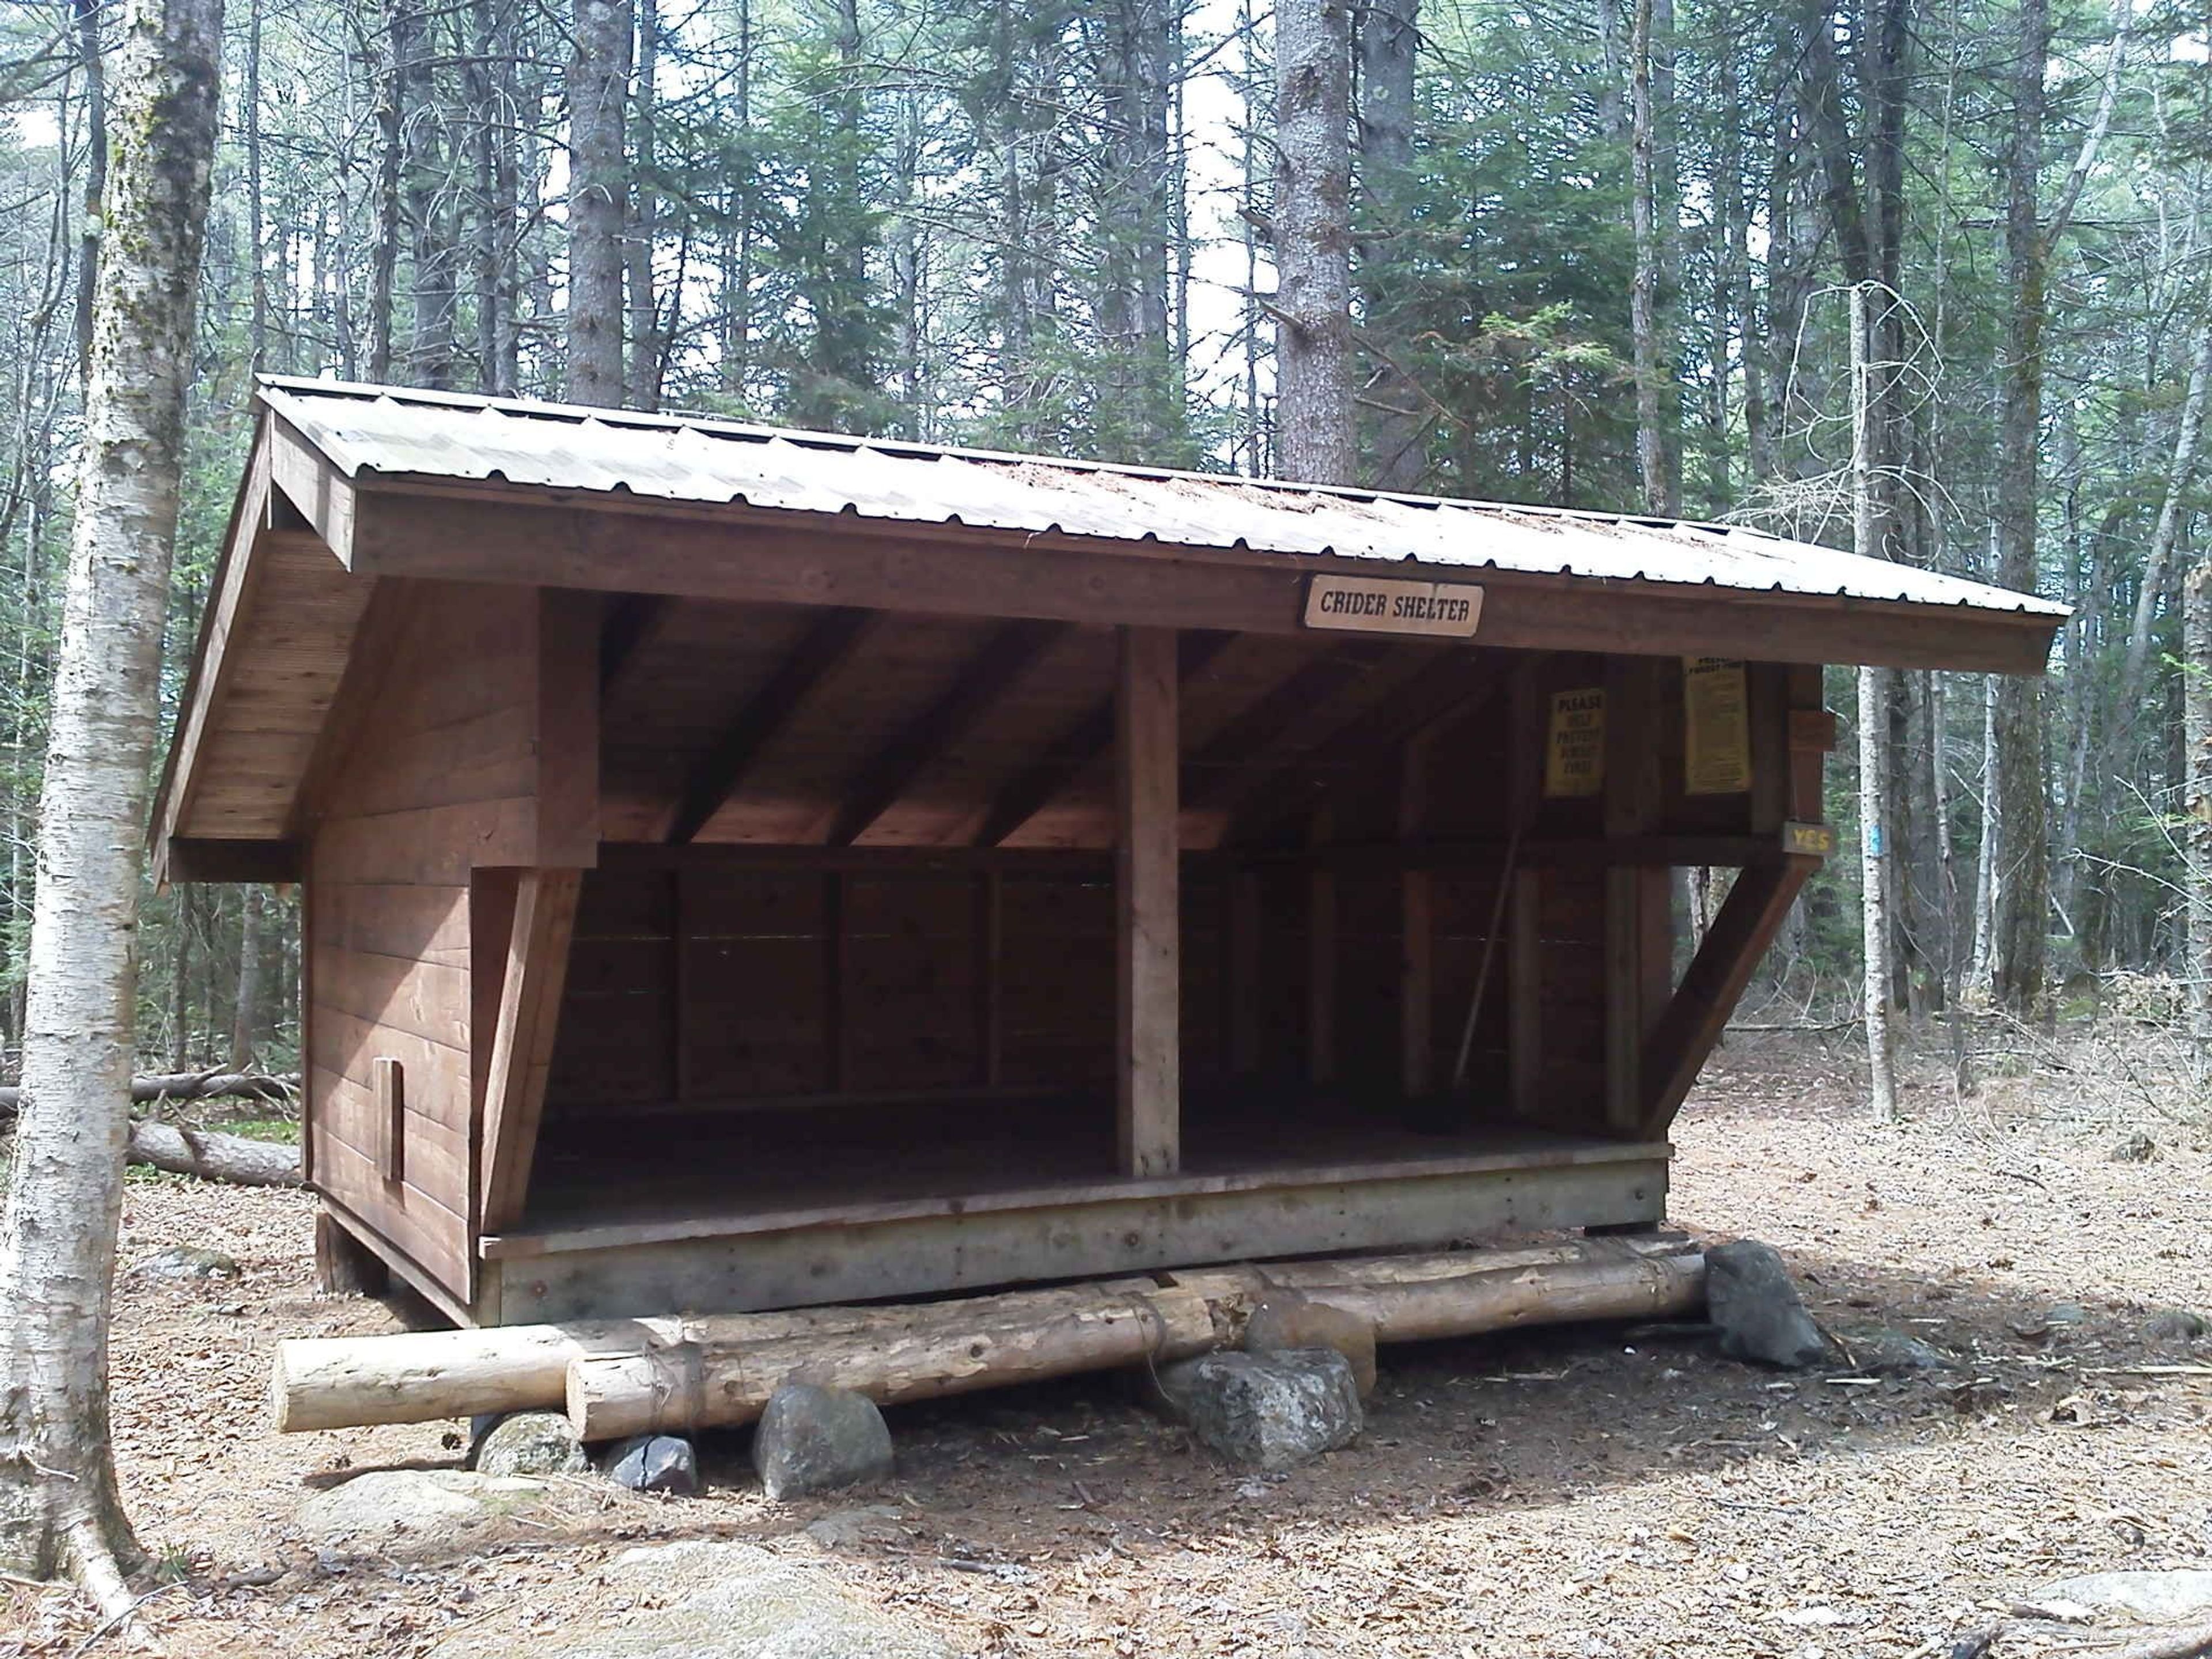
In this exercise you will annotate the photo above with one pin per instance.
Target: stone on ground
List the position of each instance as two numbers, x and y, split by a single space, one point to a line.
183 1261
704 1600
1287 1320
383 1503
812 1439
2135 1148
845 1530
1892 1352
1757 1311
2181 1593
656 1462
529 1443
1268 1411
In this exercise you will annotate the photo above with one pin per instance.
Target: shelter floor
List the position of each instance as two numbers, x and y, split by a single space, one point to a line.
766 1162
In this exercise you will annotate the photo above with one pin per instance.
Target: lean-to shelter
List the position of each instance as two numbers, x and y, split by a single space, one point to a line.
749 868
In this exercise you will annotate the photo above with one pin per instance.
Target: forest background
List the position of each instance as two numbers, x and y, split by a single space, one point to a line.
1604 254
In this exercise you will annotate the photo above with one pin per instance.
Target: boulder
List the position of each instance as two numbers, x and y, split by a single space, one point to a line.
529 1443
1756 1310
654 1462
811 1439
386 1502
2181 1593
706 1599
184 1261
1268 1411
1287 1320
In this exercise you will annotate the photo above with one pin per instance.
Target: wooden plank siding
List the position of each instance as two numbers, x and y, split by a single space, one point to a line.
471 746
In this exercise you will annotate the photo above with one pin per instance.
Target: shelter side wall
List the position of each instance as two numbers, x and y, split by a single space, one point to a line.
441 777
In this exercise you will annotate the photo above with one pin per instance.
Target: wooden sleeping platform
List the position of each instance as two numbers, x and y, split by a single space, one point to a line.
749 870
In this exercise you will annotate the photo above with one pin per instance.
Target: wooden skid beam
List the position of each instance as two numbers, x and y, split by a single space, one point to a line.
1080 748
522 1043
832 637
1699 1009
1156 1225
1147 1055
1007 655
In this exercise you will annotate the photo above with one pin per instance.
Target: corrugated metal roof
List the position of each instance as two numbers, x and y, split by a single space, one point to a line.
701 459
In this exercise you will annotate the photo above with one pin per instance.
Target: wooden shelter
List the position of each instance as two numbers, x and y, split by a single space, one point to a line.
746 869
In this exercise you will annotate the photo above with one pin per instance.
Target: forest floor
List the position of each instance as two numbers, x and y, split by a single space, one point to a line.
1571 1492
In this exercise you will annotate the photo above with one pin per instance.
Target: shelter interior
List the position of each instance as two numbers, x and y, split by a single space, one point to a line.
674 950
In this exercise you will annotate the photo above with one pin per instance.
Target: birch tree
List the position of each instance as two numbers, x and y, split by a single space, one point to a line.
60 1506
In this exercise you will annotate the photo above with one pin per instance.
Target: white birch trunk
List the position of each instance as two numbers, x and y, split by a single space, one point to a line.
2197 827
1873 736
59 1507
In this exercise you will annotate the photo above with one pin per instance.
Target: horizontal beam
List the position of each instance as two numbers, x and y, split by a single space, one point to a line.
487 533
191 858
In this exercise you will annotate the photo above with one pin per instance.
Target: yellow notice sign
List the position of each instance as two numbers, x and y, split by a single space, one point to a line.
1574 750
1716 727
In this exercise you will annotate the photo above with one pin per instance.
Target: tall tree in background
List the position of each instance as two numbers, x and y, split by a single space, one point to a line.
598 167
1389 42
59 1507
1315 439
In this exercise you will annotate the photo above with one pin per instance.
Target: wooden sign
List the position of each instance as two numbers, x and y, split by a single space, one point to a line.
1574 745
1808 840
1716 727
1376 605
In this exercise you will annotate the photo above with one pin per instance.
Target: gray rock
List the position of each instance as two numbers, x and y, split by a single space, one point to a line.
2151 1595
2136 1148
1268 1411
183 1261
2178 1325
386 1501
529 1443
1878 1348
1752 1303
845 1530
1287 1321
656 1462
813 1439
704 1600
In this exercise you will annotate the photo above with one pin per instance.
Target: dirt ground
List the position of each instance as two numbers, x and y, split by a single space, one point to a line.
1573 1492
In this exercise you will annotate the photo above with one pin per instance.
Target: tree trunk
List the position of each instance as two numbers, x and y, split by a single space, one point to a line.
1875 852
2173 513
59 1507
1313 241
2196 799
89 63
1389 40
256 328
644 217
598 85
1650 303
245 1016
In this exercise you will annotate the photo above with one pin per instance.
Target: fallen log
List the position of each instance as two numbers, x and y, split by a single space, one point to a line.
183 1085
347 1381
240 1159
900 1354
207 1153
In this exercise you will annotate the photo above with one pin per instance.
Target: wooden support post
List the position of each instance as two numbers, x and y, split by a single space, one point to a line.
990 1008
837 1050
1699 1009
1634 916
343 1264
1244 922
522 1042
1524 964
680 982
1417 991
1148 1046
1320 957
